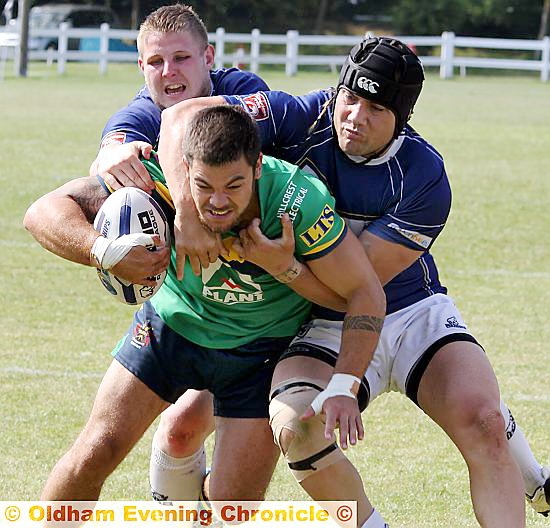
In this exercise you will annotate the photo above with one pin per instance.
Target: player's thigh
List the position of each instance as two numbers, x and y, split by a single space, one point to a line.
123 409
244 459
458 385
301 367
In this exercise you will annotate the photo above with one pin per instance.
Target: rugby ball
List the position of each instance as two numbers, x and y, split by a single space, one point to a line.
131 210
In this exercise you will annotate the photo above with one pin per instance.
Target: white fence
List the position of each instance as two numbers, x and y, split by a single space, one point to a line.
437 51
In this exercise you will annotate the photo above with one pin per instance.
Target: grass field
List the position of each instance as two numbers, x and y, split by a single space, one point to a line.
494 256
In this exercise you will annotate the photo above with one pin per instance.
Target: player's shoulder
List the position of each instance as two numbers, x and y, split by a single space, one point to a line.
316 99
418 158
227 80
276 171
418 149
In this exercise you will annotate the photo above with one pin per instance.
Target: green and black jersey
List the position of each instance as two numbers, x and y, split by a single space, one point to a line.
234 302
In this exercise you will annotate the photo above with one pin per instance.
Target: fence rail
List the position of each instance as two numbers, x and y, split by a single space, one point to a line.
245 49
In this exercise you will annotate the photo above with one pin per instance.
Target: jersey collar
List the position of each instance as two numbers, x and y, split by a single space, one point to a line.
386 156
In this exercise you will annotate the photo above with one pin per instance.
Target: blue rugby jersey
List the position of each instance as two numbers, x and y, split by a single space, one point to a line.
140 120
403 196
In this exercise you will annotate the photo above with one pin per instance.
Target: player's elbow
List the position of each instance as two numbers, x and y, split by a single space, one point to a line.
368 297
31 220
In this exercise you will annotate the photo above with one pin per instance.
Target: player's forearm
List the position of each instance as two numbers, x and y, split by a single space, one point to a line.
60 226
310 287
361 330
170 148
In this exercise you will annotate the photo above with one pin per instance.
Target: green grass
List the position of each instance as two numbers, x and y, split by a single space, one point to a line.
59 326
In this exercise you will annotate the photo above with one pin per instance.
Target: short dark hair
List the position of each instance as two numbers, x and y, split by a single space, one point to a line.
175 18
221 134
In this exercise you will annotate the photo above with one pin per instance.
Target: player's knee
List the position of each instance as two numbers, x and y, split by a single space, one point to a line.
484 431
178 434
491 426
302 443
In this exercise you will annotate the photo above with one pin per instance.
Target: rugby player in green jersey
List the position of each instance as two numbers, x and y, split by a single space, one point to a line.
222 330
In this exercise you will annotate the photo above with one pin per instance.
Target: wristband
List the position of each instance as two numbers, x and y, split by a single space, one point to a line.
339 385
107 253
292 273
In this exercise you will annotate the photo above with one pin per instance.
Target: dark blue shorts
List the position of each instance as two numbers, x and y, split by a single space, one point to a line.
239 378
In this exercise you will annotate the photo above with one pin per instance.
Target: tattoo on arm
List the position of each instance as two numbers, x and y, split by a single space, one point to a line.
90 198
363 322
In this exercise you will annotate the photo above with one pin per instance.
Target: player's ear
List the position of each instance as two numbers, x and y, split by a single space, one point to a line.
258 168
209 56
186 166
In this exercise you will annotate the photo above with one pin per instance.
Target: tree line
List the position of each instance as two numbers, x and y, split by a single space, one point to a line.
484 18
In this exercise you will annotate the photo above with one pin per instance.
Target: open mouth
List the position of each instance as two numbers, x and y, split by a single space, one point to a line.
219 213
174 89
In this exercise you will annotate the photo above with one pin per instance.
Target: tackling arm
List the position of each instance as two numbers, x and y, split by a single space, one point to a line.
191 238
61 221
363 321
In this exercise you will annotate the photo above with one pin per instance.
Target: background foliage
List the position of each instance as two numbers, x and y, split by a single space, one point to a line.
489 18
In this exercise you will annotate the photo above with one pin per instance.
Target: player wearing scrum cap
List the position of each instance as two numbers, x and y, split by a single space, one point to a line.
392 188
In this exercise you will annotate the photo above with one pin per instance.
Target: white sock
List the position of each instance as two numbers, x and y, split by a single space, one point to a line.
375 521
176 479
521 451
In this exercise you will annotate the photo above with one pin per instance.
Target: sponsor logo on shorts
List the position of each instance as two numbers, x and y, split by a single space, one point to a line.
452 322
320 228
113 137
418 238
141 336
257 106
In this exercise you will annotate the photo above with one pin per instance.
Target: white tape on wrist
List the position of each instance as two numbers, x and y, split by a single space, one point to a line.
108 253
339 385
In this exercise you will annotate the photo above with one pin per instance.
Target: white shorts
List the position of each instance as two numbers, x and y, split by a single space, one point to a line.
409 339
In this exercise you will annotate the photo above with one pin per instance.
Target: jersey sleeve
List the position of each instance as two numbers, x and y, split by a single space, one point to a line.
283 119
318 228
419 216
139 121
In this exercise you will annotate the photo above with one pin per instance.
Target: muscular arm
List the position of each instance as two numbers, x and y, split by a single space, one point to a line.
277 256
61 221
347 271
387 258
202 246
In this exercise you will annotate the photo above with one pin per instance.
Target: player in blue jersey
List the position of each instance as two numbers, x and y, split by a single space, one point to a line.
176 60
391 187
224 330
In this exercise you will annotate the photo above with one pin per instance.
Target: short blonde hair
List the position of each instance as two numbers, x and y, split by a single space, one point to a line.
175 18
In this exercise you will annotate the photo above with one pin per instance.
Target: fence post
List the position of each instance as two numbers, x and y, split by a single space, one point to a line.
255 50
545 59
62 46
447 55
103 48
291 65
220 47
